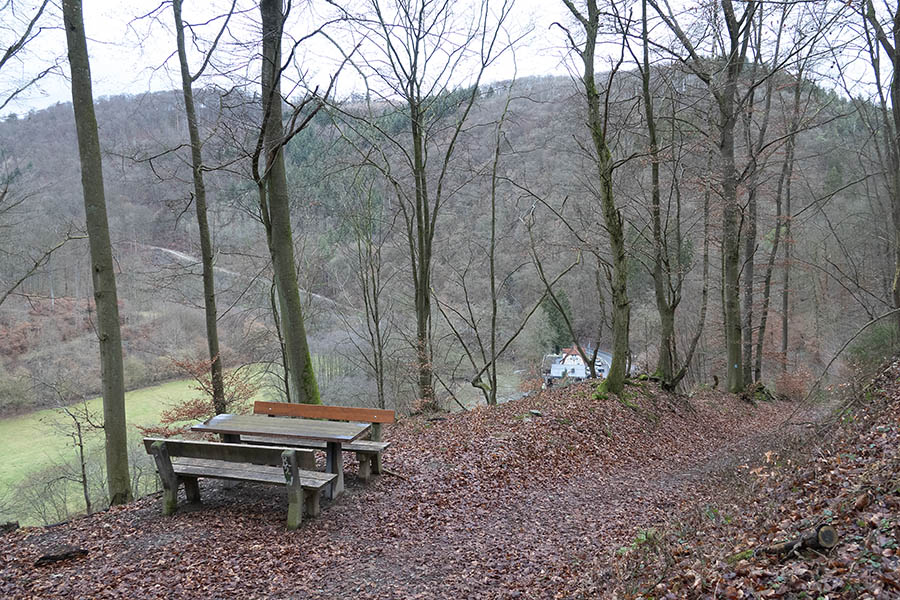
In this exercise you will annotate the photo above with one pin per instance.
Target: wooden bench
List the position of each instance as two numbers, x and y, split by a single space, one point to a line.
182 461
368 452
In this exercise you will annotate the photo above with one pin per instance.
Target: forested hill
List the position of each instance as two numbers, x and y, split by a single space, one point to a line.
546 210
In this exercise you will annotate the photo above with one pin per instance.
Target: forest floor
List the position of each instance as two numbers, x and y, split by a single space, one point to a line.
556 495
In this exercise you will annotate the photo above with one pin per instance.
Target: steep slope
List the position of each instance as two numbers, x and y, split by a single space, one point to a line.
523 500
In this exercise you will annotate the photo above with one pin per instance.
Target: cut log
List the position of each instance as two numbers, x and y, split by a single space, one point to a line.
823 537
60 553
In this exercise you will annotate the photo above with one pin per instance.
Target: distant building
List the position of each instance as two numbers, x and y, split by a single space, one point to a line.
569 363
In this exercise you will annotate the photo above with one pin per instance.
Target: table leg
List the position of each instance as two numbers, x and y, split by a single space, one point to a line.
334 463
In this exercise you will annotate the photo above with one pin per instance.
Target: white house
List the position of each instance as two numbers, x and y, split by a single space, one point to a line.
570 364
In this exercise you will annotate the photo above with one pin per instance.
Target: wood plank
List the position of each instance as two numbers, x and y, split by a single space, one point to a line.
199 467
357 446
329 431
244 453
320 411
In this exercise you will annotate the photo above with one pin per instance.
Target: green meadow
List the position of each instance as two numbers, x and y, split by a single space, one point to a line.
34 441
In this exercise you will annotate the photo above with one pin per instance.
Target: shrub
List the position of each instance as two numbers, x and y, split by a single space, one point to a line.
793 385
873 346
16 393
239 391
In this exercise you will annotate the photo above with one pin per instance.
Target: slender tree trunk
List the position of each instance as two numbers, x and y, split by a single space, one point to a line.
275 203
421 255
731 254
206 249
782 221
666 362
749 275
731 242
102 267
612 216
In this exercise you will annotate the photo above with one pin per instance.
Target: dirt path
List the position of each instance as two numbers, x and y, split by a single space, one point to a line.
492 504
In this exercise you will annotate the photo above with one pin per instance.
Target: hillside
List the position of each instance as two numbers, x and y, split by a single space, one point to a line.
530 499
543 191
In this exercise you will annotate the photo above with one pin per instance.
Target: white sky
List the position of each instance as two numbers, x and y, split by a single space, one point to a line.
126 55
129 56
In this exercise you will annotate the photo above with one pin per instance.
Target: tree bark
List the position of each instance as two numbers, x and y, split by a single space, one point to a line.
666 362
102 267
206 250
612 216
275 206
782 220
421 254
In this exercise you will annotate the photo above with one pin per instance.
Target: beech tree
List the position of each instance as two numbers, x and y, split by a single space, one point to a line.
884 37
206 248
102 267
413 52
613 220
667 268
721 75
275 210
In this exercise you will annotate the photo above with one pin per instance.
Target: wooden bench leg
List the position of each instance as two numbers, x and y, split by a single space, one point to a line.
312 503
335 464
295 507
167 475
170 500
376 464
307 461
376 460
191 489
365 465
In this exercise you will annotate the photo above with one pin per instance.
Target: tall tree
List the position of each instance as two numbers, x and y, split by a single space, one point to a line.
414 54
206 248
668 270
597 122
274 205
887 40
102 267
721 75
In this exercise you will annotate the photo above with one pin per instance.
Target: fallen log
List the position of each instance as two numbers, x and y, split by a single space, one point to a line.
60 553
823 537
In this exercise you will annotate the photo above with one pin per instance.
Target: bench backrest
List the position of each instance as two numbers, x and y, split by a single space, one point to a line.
244 453
319 411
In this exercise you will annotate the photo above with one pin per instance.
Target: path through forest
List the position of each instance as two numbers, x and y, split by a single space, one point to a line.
493 503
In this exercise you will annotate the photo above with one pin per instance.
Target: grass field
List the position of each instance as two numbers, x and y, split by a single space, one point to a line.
31 442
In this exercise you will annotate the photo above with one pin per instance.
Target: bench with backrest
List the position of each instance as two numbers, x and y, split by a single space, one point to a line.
183 461
368 452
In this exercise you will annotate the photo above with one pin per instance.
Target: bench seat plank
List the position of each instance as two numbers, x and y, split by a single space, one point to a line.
367 446
199 467
183 462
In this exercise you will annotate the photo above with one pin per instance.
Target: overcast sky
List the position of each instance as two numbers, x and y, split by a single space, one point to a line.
129 56
133 56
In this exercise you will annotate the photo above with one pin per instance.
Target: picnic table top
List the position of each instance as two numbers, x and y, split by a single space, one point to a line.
263 425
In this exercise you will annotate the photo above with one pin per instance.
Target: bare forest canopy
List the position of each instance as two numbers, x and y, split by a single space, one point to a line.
841 243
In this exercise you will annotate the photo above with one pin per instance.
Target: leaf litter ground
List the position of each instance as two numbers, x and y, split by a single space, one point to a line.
492 503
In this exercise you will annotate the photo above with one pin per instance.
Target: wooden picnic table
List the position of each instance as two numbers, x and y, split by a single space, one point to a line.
331 432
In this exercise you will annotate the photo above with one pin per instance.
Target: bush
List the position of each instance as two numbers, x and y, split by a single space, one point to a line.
16 392
793 385
873 346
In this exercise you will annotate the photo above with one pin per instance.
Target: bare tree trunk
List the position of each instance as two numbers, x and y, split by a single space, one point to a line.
782 221
890 44
275 204
102 267
206 250
421 256
612 216
666 362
